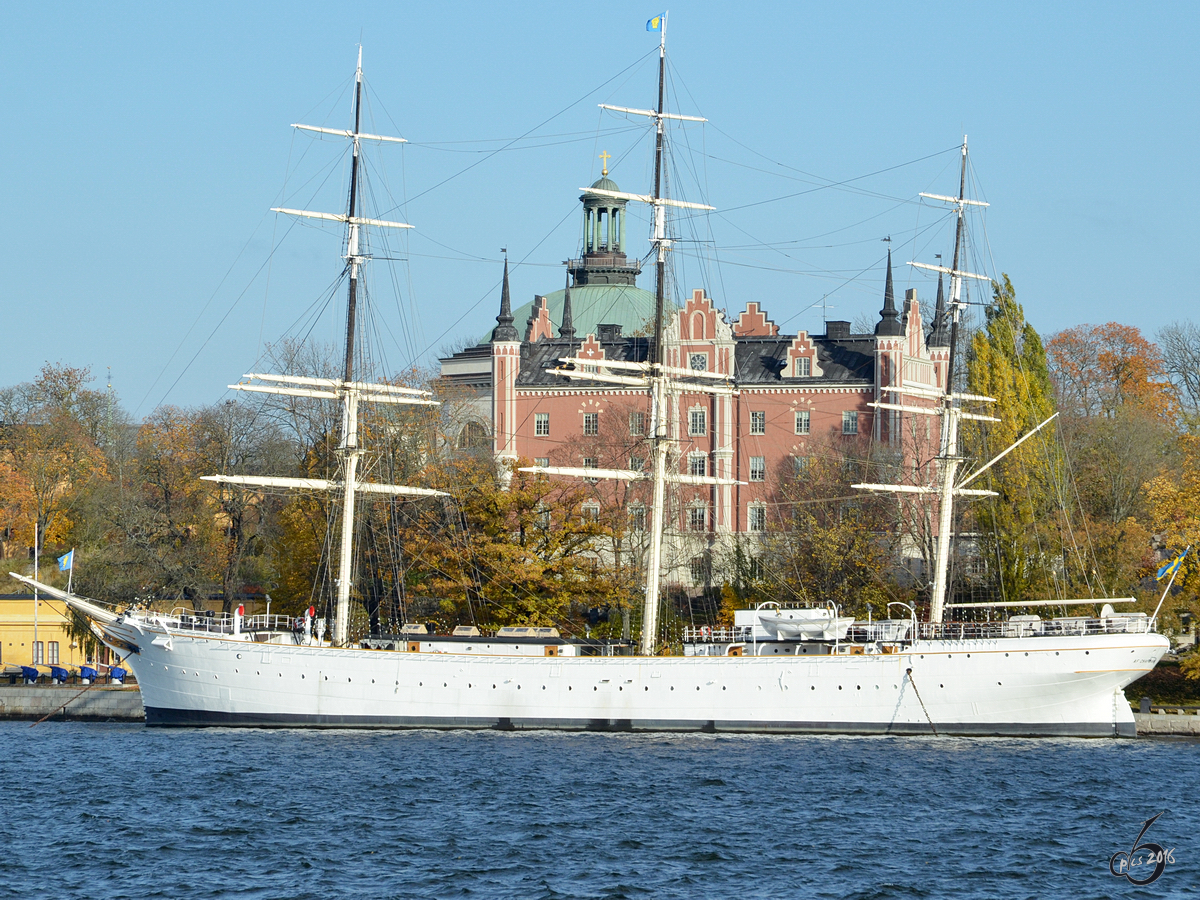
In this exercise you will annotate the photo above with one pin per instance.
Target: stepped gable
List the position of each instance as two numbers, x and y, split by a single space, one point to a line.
753 322
842 358
538 325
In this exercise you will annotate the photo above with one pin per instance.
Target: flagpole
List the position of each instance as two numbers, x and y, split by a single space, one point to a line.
71 571
1174 572
35 592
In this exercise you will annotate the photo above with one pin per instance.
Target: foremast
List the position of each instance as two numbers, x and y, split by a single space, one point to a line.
655 376
347 390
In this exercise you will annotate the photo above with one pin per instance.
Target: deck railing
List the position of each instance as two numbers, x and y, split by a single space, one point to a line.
184 619
901 631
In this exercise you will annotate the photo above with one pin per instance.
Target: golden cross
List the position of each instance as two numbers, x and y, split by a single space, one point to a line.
606 156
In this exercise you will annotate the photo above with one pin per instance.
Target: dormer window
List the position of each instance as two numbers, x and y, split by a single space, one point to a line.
803 367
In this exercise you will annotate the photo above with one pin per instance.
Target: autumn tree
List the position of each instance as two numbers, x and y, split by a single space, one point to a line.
507 547
50 453
826 541
1180 343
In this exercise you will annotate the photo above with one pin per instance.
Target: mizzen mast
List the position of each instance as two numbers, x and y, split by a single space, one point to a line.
948 408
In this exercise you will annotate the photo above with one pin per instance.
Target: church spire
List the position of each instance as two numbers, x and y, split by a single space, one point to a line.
566 330
939 336
889 318
504 330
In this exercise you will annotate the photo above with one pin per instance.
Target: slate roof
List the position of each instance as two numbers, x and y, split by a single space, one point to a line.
849 360
537 358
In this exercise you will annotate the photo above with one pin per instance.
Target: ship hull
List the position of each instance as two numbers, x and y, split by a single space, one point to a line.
1021 686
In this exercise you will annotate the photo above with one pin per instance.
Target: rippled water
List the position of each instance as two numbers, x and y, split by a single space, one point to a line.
116 811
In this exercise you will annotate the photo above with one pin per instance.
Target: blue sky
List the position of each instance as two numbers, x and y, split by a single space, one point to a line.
146 142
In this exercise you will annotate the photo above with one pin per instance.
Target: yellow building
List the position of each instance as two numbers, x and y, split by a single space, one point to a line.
53 644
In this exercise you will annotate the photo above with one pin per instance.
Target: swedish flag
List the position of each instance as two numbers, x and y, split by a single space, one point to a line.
656 23
1172 567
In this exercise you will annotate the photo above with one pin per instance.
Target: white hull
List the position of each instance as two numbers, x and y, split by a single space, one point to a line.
1066 685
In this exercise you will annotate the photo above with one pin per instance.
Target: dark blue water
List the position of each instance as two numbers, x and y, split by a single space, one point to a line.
116 811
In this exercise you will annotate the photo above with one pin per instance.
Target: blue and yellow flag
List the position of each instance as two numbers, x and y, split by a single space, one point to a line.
1172 567
66 562
656 23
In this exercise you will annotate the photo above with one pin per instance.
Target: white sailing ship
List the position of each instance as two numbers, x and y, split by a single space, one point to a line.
775 670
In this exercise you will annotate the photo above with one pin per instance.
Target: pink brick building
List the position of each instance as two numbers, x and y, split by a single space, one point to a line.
798 392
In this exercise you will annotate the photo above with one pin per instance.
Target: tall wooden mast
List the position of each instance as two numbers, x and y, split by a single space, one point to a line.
346 390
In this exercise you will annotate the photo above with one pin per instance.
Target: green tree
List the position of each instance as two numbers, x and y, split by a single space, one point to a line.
1019 528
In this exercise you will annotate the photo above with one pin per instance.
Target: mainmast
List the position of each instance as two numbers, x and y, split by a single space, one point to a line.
349 391
655 376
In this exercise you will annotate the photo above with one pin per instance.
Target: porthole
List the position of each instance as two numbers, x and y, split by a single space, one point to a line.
697 687
999 684
723 687
1026 652
443 684
619 688
419 683
570 688
839 687
372 680
647 687
468 684
968 656
326 677
1056 653
672 687
812 687
1089 652
858 687
301 677
235 672
1006 654
239 656
941 685
543 687
493 687
594 688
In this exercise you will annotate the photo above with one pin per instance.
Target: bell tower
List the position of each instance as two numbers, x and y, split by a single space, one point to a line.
603 260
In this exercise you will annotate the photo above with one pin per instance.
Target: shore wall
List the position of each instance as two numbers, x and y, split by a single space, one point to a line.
1167 723
99 703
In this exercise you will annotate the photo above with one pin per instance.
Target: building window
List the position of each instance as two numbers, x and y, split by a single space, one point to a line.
591 423
758 422
53 648
697 422
39 648
591 511
542 519
637 517
697 464
698 518
755 566
637 423
591 462
542 461
698 362
758 517
850 421
637 463
803 367
799 465
803 421
758 468
541 424
700 570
